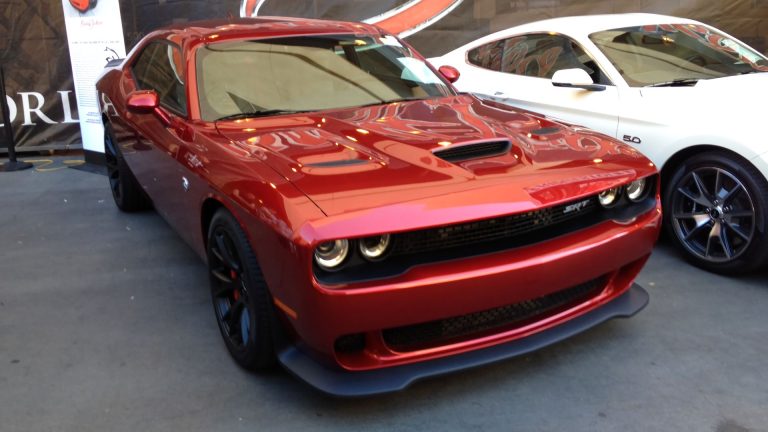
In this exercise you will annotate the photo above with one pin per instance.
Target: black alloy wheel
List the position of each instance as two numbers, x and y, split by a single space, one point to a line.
126 191
715 210
241 300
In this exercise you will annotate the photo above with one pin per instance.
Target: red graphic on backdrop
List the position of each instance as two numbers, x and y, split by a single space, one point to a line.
404 20
83 5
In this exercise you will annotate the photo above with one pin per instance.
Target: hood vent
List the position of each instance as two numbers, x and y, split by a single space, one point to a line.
546 131
475 150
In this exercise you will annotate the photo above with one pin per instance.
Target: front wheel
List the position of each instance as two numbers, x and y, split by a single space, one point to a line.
241 300
715 208
126 190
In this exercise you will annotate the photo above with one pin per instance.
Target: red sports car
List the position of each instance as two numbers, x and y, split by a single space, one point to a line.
363 223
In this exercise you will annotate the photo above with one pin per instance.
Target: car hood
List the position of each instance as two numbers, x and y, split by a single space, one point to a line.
737 83
733 97
389 155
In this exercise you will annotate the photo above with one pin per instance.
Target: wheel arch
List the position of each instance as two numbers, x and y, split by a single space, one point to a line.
209 208
677 159
211 204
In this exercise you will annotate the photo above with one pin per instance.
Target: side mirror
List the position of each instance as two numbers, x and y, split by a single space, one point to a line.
450 73
146 102
575 78
143 102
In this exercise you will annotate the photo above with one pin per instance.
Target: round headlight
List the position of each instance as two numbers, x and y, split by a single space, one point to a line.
374 248
608 197
329 255
636 190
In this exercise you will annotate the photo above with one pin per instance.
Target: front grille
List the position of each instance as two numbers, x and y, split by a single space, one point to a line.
504 228
440 332
473 151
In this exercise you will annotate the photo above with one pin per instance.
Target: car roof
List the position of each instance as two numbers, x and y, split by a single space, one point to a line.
593 23
261 27
585 25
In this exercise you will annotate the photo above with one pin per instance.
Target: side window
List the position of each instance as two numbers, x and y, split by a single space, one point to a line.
159 68
487 56
533 55
536 55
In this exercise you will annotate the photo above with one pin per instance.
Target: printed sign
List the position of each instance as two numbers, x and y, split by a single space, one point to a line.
95 36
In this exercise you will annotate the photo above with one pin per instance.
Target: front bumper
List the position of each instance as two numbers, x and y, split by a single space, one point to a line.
339 382
324 317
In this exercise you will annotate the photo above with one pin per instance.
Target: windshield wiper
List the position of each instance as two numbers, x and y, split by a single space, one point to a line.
389 101
679 82
260 113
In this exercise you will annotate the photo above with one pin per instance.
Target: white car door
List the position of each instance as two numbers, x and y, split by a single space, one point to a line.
518 71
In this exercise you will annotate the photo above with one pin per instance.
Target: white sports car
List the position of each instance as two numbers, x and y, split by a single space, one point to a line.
689 96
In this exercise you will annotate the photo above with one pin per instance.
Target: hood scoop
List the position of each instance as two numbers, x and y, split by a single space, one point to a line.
474 150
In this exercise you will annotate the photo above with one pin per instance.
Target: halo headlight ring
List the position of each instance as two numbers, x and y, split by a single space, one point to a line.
609 197
331 255
636 191
374 248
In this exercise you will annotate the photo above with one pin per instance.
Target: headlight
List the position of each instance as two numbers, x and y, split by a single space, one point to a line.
329 255
374 248
636 190
608 197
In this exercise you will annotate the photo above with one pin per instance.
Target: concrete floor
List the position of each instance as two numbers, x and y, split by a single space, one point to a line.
106 325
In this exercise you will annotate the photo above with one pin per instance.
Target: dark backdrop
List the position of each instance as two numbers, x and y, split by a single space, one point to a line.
33 44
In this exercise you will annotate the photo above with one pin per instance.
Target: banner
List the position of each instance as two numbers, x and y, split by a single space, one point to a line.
95 36
38 79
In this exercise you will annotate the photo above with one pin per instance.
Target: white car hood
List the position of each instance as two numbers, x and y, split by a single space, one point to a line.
735 84
712 102
728 112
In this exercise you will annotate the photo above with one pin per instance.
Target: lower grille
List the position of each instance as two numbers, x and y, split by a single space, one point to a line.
440 332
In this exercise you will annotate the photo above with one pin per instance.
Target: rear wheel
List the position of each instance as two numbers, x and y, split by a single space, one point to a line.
715 210
241 300
126 191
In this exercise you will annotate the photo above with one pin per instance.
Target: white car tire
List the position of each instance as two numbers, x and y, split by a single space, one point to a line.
716 212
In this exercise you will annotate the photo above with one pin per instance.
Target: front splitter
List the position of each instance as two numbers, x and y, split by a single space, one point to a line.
339 382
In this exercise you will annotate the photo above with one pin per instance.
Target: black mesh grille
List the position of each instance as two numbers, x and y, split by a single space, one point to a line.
350 343
473 151
497 229
435 333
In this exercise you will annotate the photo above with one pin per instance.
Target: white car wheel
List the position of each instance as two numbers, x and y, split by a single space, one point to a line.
716 211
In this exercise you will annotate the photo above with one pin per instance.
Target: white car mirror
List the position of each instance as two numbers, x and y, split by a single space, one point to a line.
575 78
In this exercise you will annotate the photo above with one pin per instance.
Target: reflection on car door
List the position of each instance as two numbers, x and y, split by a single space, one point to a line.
160 68
520 70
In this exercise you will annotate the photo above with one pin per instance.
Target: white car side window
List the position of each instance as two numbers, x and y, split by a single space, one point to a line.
535 55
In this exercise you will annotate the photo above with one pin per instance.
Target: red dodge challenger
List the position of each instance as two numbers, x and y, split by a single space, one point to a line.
364 224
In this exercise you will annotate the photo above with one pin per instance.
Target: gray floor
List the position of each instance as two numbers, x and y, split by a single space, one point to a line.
105 325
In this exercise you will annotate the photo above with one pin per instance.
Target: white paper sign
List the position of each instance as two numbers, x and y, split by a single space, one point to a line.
95 36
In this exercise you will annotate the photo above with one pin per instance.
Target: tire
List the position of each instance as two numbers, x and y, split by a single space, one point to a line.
716 213
126 191
241 300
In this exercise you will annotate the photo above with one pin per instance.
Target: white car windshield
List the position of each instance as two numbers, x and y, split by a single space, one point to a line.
676 54
295 74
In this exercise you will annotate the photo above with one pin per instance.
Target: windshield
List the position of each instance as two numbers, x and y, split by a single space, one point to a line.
676 54
273 76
